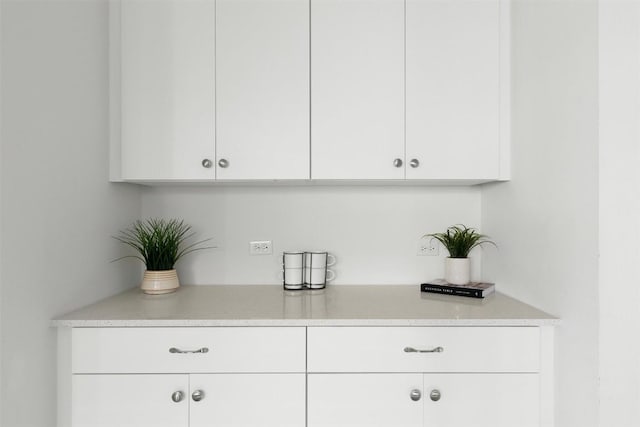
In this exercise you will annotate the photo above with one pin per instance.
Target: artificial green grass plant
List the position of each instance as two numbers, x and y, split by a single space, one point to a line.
459 240
160 243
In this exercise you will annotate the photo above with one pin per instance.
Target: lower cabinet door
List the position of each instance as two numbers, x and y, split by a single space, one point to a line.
247 400
130 401
481 400
371 400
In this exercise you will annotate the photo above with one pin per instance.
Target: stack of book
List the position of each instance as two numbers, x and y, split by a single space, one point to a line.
471 289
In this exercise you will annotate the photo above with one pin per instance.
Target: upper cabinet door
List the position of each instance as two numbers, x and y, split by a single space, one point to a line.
262 89
357 89
453 89
167 89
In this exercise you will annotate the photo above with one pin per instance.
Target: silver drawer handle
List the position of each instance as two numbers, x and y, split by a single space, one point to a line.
415 350
177 350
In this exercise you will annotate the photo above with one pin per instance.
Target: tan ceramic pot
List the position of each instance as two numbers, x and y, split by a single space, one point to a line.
160 282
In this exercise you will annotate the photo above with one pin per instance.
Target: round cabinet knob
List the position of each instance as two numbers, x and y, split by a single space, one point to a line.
223 163
435 395
415 395
397 163
207 163
197 395
177 396
414 163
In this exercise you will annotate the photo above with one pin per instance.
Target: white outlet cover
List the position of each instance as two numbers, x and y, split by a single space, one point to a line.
260 247
428 247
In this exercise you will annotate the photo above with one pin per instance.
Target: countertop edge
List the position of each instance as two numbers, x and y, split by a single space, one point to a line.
149 323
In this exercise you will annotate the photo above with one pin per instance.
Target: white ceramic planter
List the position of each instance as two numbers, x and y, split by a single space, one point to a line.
160 282
457 271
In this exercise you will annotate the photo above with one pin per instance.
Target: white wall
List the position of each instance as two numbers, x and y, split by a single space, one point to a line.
58 210
373 231
546 219
619 213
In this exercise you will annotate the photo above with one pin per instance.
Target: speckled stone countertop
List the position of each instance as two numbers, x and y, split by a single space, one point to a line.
337 305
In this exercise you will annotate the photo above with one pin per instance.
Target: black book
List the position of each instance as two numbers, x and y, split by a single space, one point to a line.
471 289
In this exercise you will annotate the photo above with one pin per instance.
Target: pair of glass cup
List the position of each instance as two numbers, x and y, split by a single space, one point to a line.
307 269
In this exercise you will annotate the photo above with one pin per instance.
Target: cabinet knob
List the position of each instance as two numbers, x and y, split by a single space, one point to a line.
397 163
207 163
223 163
414 163
415 395
197 395
435 395
177 396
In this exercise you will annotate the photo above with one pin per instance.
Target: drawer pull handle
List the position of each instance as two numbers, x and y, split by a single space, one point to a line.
415 350
177 350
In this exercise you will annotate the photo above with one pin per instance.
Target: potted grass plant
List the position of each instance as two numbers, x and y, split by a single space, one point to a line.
160 244
459 240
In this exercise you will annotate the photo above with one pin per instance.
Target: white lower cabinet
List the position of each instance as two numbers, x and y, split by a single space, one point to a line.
230 400
416 400
481 400
248 400
424 376
188 377
449 376
129 401
371 400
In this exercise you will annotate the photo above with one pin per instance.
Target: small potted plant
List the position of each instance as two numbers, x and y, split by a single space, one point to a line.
160 244
459 240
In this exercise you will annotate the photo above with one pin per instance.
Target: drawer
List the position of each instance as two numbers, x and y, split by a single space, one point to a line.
228 349
463 349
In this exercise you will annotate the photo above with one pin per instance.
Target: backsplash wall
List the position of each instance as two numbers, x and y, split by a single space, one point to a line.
373 231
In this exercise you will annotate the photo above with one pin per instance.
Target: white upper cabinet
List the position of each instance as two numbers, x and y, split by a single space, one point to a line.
167 81
457 79
310 89
262 89
357 89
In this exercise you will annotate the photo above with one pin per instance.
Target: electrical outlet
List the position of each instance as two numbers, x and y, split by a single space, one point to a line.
260 247
428 247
